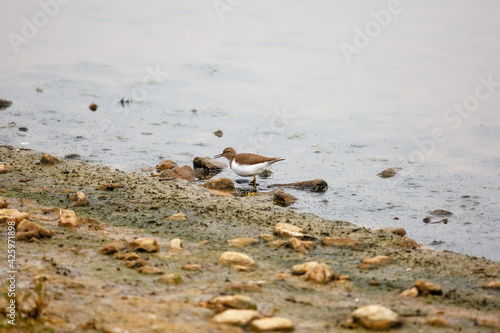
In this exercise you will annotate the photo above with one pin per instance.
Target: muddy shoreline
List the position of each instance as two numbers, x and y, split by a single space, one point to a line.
91 292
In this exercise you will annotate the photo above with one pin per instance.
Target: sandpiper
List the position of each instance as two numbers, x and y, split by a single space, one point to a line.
246 164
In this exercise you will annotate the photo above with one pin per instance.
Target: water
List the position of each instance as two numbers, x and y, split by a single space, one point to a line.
273 77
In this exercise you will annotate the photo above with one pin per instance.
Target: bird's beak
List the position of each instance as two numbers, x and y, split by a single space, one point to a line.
217 156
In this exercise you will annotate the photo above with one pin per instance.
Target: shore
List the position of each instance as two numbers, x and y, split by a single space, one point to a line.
75 281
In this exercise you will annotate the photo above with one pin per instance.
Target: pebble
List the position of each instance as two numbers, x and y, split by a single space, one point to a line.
388 173
150 270
79 199
278 243
67 218
441 213
3 203
272 324
109 187
236 317
220 184
316 185
48 159
170 279
183 172
27 235
241 242
218 133
144 245
243 287
230 258
396 231
340 241
411 292
208 164
4 103
166 164
137 263
288 230
407 243
300 246
266 237
377 261
4 168
26 225
131 256
376 317
321 273
191 267
233 302
178 217
111 248
427 288
93 107
175 245
282 198
437 321
301 269
491 285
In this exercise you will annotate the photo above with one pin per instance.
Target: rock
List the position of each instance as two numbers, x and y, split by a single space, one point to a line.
166 164
321 273
340 241
427 219
491 285
111 248
427 288
218 133
300 246
67 218
241 242
441 213
183 172
266 237
317 185
377 261
288 230
395 231
220 184
208 164
175 245
178 217
79 199
150 270
170 279
411 292
3 203
93 107
193 267
301 269
144 245
27 235
137 263
407 243
272 324
236 317
4 168
283 199
4 104
437 321
230 258
233 302
7 215
131 256
376 317
243 287
278 243
109 187
48 159
26 225
388 173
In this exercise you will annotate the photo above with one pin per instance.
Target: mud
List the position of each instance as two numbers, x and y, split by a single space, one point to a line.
84 291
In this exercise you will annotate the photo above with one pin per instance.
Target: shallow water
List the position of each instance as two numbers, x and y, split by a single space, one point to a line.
274 79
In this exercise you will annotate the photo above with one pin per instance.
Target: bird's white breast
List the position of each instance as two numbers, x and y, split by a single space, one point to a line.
245 170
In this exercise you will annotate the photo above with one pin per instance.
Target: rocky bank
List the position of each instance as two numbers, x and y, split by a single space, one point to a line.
111 251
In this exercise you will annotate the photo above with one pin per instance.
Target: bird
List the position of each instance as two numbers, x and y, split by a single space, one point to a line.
247 164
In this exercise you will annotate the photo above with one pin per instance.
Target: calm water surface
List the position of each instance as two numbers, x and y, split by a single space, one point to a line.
342 90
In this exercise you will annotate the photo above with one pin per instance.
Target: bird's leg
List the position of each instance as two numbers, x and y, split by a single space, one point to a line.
254 181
